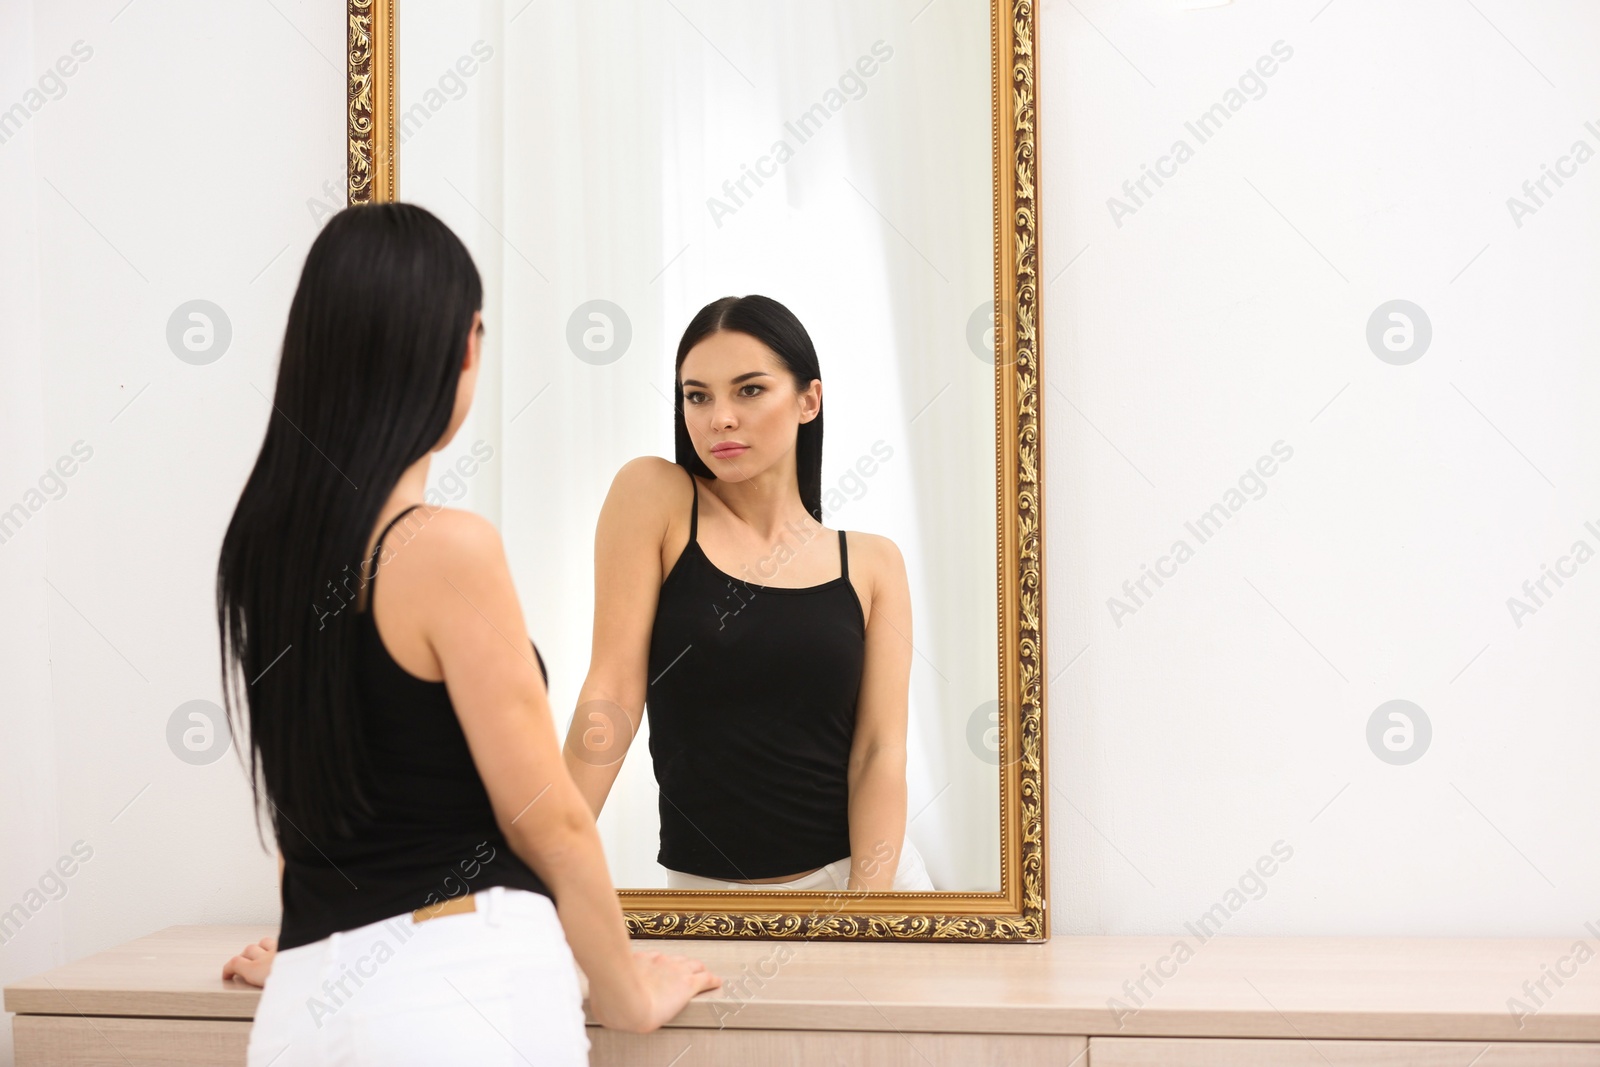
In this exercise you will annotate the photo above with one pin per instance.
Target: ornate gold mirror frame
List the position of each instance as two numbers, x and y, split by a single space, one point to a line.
1017 912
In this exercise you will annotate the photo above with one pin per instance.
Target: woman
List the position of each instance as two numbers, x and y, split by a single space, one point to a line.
440 869
777 706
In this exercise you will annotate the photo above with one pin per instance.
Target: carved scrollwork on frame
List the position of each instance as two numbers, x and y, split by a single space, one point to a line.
1018 911
369 101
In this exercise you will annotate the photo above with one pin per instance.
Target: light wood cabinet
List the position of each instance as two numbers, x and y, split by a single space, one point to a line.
1236 1052
824 1048
118 1041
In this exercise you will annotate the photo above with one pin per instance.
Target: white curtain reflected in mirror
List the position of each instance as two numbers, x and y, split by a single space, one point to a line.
615 167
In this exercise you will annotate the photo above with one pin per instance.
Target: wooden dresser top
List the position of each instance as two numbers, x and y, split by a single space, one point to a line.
1399 988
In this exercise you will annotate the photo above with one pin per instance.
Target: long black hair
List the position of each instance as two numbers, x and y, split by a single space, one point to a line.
776 327
371 361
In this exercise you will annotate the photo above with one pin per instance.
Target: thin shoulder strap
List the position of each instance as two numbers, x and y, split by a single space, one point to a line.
844 557
372 561
694 508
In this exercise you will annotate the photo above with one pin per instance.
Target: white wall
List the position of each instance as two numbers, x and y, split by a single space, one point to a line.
176 165
30 828
1228 312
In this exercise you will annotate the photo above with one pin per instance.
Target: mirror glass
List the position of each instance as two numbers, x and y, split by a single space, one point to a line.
614 167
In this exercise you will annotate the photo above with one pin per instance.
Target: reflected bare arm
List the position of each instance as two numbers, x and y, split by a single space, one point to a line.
627 583
877 771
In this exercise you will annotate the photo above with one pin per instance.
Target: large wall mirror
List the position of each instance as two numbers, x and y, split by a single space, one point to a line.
615 166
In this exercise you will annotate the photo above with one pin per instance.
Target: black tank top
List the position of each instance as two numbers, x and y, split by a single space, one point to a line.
752 706
434 835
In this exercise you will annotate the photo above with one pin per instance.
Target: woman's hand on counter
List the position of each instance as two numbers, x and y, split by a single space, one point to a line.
663 985
254 963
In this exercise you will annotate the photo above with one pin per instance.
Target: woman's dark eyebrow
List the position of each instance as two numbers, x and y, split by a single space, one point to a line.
736 381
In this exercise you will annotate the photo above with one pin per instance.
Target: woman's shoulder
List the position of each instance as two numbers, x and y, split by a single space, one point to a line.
650 472
646 498
877 556
651 482
429 542
429 536
873 544
450 527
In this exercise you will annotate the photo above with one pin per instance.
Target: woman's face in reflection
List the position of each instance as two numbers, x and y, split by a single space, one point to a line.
740 404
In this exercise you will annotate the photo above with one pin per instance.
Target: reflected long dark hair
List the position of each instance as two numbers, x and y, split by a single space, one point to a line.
371 360
776 327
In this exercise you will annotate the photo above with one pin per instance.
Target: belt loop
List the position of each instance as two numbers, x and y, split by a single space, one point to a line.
489 902
330 957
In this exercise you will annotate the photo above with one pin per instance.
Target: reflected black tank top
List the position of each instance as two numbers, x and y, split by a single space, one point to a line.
434 835
752 708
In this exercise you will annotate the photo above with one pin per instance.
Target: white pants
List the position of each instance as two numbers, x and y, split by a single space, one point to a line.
493 986
911 876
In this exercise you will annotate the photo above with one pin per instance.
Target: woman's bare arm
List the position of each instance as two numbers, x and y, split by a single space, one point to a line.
877 771
627 583
474 625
